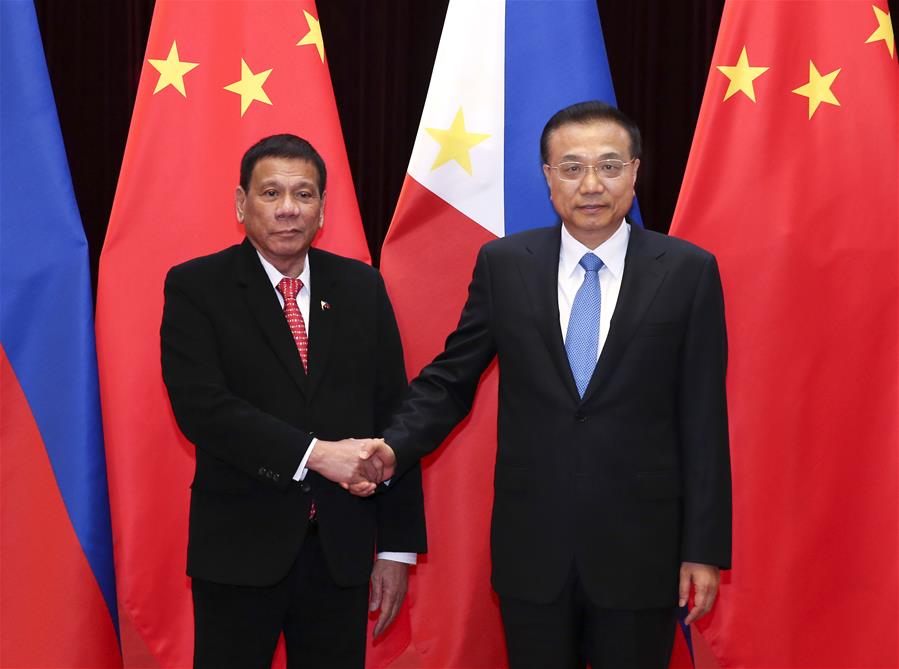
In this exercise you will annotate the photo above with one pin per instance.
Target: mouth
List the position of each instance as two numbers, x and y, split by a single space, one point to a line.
591 208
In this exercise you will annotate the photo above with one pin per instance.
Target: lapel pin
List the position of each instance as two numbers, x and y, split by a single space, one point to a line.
325 305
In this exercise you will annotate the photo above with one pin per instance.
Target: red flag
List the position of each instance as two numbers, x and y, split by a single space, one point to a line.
218 76
792 183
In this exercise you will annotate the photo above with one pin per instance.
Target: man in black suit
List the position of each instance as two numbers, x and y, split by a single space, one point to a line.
269 350
612 484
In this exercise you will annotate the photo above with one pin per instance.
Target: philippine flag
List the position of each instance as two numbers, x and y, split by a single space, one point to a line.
502 69
57 587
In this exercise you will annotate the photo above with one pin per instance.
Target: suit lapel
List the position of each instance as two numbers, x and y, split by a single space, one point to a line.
540 273
643 275
263 304
323 310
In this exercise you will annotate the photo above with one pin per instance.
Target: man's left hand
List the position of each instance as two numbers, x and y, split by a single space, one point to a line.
388 588
704 580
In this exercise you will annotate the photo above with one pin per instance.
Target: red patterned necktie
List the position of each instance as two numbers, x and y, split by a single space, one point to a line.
289 288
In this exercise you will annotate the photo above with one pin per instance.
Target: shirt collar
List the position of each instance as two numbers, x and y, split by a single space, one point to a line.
611 252
275 276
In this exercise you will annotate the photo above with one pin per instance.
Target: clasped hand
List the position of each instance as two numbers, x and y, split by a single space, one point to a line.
358 465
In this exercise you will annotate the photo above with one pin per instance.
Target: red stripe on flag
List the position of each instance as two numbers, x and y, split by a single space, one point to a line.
430 251
53 612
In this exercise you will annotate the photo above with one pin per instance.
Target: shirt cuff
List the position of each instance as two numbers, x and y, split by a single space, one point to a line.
301 470
405 558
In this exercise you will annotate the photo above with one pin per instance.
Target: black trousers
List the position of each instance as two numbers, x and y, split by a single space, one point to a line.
571 632
324 625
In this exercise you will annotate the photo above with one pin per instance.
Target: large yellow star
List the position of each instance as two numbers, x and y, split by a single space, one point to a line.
171 71
249 88
817 90
884 30
741 76
314 36
455 143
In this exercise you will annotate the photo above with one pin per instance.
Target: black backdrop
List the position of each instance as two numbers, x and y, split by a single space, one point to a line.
380 54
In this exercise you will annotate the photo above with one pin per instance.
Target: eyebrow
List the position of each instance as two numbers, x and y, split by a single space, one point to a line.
303 183
580 157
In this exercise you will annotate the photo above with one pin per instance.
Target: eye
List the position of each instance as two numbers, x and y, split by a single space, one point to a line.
270 193
611 168
571 169
305 196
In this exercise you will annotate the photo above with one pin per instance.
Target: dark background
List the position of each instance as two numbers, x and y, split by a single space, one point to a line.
380 53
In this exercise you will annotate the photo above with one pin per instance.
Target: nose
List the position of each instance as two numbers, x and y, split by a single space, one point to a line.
591 183
288 206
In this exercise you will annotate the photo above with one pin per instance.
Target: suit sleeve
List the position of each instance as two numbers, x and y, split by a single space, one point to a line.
401 517
442 394
208 413
703 430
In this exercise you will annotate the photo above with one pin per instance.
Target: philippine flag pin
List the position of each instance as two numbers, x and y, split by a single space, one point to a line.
325 305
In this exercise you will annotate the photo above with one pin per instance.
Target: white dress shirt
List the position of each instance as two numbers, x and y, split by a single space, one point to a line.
303 299
571 276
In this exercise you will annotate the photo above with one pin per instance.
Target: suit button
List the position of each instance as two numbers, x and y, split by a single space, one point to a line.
262 471
580 417
276 476
269 474
305 487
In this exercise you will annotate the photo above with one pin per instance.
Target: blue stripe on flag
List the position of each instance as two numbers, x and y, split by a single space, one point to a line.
46 310
555 56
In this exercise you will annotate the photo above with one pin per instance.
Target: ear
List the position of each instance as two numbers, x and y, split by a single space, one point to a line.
240 199
634 177
547 174
321 213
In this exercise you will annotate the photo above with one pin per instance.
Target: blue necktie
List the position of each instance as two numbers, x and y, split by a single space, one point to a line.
582 338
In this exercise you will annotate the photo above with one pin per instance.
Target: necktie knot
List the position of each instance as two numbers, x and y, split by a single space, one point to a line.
289 288
590 262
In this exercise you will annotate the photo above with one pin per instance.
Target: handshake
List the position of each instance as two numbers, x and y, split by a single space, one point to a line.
358 465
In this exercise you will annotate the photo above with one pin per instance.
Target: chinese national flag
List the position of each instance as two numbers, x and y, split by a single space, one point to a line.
218 76
792 183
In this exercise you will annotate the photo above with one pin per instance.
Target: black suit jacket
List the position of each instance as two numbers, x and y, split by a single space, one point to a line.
626 483
239 393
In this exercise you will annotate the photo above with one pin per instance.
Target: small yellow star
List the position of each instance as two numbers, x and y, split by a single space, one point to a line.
314 36
249 88
884 30
817 90
171 71
455 143
741 76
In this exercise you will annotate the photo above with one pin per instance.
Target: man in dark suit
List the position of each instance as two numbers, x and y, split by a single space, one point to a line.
612 483
269 350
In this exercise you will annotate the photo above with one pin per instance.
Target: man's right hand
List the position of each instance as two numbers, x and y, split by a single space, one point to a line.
379 457
356 462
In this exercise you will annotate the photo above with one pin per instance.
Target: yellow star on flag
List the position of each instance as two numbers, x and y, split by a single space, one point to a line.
817 90
455 143
741 76
884 30
249 88
171 71
314 36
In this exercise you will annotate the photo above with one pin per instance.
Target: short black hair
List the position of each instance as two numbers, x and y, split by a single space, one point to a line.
281 146
586 112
